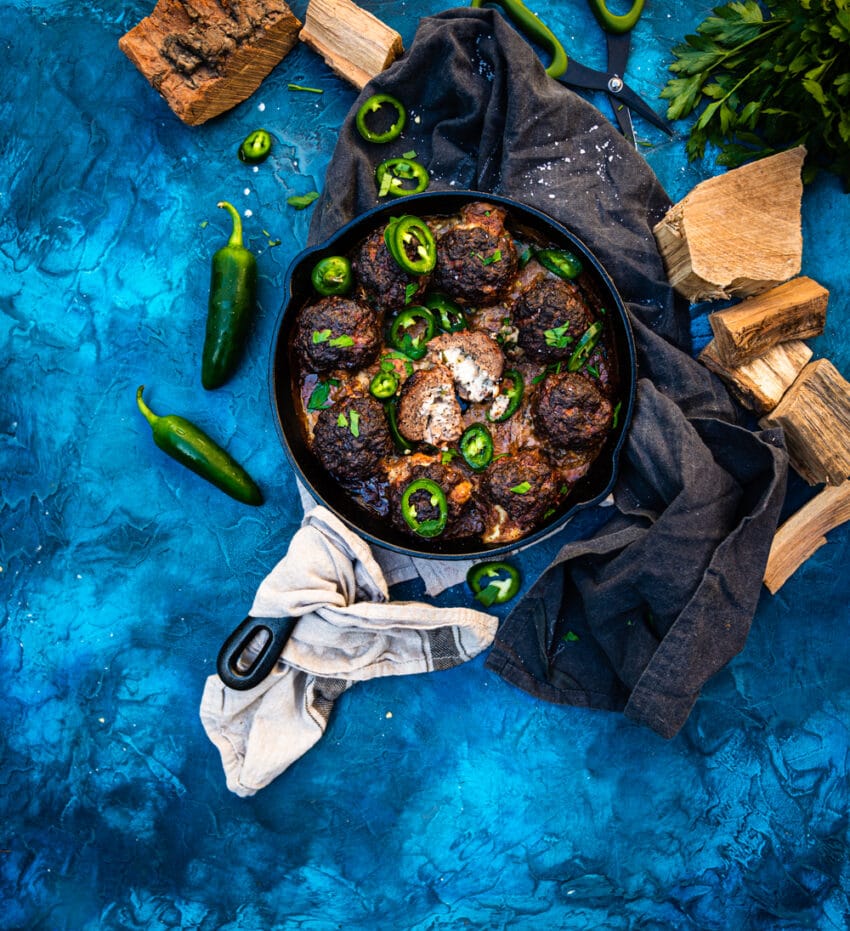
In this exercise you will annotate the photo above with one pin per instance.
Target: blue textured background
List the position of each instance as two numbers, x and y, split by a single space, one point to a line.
436 802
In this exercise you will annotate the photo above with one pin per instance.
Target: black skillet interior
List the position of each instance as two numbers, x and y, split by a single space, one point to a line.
594 487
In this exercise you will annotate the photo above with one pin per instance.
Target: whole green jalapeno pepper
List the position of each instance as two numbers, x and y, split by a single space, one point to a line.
233 294
191 447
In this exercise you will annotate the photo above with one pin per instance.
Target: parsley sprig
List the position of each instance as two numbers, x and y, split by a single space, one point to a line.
760 84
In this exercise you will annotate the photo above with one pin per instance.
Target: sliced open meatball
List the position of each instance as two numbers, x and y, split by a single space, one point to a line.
475 360
337 333
550 318
524 486
476 257
381 276
351 438
570 412
463 504
428 409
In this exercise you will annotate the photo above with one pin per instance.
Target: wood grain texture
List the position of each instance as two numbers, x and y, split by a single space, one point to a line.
354 44
206 56
760 384
815 417
738 233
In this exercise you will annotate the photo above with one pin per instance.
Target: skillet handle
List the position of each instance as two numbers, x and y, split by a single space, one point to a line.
230 671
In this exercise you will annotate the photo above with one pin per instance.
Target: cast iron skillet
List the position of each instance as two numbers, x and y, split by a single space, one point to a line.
298 290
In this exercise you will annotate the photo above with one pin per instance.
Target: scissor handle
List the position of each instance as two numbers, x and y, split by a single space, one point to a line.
536 30
276 630
612 22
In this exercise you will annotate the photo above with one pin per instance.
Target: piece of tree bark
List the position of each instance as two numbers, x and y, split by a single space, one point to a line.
804 533
815 416
206 56
793 310
354 44
738 233
760 384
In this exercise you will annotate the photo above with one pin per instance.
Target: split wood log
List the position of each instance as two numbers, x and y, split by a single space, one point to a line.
738 233
793 310
804 533
815 416
759 385
206 56
354 44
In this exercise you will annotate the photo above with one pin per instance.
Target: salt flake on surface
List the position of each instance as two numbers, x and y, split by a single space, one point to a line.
261 107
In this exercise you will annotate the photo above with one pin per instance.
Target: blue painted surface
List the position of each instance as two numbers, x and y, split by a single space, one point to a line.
441 801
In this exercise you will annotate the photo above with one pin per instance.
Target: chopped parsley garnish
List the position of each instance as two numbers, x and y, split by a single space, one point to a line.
522 489
557 337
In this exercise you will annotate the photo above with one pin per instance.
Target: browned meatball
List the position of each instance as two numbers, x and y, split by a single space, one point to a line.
464 515
351 438
524 485
550 318
428 410
570 412
475 360
337 333
381 276
476 257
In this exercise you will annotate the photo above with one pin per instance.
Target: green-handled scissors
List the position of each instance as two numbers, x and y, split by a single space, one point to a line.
570 72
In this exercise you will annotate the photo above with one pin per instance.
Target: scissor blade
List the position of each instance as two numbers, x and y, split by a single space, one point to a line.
586 78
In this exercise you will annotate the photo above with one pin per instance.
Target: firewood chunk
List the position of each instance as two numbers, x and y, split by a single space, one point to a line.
738 233
793 310
815 416
206 56
804 533
354 44
760 384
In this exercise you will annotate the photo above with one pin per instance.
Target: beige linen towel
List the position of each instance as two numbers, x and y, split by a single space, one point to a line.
347 631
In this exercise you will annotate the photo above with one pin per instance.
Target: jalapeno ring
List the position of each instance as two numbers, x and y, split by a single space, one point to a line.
476 447
562 262
408 234
384 385
431 526
585 346
493 583
255 147
411 330
392 175
372 105
450 316
332 275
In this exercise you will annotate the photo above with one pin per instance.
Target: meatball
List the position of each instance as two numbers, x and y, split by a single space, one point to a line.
475 360
476 257
351 438
464 514
570 412
524 486
381 276
550 318
337 333
428 410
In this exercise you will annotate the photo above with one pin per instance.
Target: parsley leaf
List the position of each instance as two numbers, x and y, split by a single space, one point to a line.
762 77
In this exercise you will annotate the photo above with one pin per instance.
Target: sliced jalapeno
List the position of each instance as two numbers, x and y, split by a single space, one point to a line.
371 106
476 447
419 502
450 317
400 176
411 243
493 583
411 329
585 346
255 147
402 445
332 275
562 262
509 397
384 385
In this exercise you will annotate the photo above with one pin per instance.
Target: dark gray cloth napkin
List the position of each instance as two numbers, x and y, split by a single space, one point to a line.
637 617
